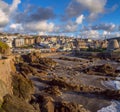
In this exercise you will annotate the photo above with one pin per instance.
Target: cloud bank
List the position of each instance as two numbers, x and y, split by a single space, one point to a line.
78 18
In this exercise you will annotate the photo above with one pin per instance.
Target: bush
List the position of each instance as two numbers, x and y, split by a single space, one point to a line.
3 47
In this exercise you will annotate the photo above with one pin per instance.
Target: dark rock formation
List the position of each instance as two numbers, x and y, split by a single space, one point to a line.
47 104
22 87
104 70
69 107
111 94
15 104
32 57
53 90
26 69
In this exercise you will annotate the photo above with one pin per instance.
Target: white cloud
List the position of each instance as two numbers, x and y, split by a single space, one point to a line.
111 34
4 19
106 33
90 34
94 7
105 27
6 11
41 26
80 19
70 27
41 33
14 5
16 26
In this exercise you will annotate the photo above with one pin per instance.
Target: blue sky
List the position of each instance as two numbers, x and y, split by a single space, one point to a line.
61 17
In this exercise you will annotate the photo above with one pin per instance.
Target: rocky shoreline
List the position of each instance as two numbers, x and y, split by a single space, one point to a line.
60 84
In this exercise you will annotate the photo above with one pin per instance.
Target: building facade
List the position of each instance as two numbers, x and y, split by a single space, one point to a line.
19 42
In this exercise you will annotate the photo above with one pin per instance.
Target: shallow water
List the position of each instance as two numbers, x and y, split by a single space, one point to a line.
115 106
111 108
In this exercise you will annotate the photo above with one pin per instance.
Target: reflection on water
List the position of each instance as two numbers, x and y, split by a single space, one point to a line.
115 106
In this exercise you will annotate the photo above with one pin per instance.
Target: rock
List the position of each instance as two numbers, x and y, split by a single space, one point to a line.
40 66
32 57
35 60
15 104
46 103
69 107
27 69
61 83
54 90
48 62
106 68
112 94
22 87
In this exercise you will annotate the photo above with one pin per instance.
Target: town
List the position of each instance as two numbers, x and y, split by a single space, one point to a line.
19 43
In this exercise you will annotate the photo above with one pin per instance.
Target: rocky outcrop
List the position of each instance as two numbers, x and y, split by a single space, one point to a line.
32 57
69 107
47 104
15 104
25 69
111 94
104 70
22 87
53 90
49 89
34 60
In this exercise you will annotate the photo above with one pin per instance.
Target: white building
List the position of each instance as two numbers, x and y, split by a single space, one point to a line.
19 42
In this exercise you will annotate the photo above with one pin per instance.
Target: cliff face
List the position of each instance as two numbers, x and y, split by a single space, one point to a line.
6 69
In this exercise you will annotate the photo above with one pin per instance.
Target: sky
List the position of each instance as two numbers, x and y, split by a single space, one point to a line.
78 18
